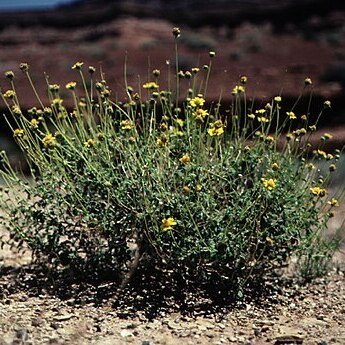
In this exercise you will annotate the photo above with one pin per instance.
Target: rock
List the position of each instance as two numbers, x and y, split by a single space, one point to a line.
37 322
125 333
63 317
288 338
55 325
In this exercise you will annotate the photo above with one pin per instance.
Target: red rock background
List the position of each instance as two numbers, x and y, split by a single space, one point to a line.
275 44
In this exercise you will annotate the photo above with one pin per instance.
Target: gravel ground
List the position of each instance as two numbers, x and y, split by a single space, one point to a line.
290 314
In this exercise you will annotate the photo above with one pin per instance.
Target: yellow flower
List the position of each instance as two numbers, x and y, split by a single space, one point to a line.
198 187
312 128
57 102
243 79
269 139
89 143
34 123
18 132
163 127
332 167
318 191
16 110
251 116
321 153
269 184
185 159
168 223
300 132
269 241
275 166
263 119
71 85
327 136
333 202
162 141
54 87
78 65
9 94
151 85
216 128
277 99
196 102
126 124
238 89
304 118
180 122
200 114
260 111
49 141
291 115
310 166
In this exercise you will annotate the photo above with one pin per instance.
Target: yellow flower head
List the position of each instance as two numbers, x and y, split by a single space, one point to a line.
180 122
243 79
168 223
291 115
71 85
260 111
269 184
9 94
333 202
310 166
162 141
321 153
34 123
18 132
197 102
318 191
185 159
263 119
277 99
57 102
78 65
327 136
198 187
200 114
49 141
269 139
251 116
238 89
89 143
151 85
126 125
275 166
16 110
216 128
332 167
269 241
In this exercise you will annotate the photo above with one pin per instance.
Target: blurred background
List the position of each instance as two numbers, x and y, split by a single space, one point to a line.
276 44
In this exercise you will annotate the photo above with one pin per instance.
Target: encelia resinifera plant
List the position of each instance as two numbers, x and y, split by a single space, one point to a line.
166 180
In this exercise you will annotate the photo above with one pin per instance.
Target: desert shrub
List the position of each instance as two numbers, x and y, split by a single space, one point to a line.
222 196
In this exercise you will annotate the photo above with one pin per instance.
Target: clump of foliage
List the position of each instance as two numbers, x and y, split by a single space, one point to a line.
165 180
